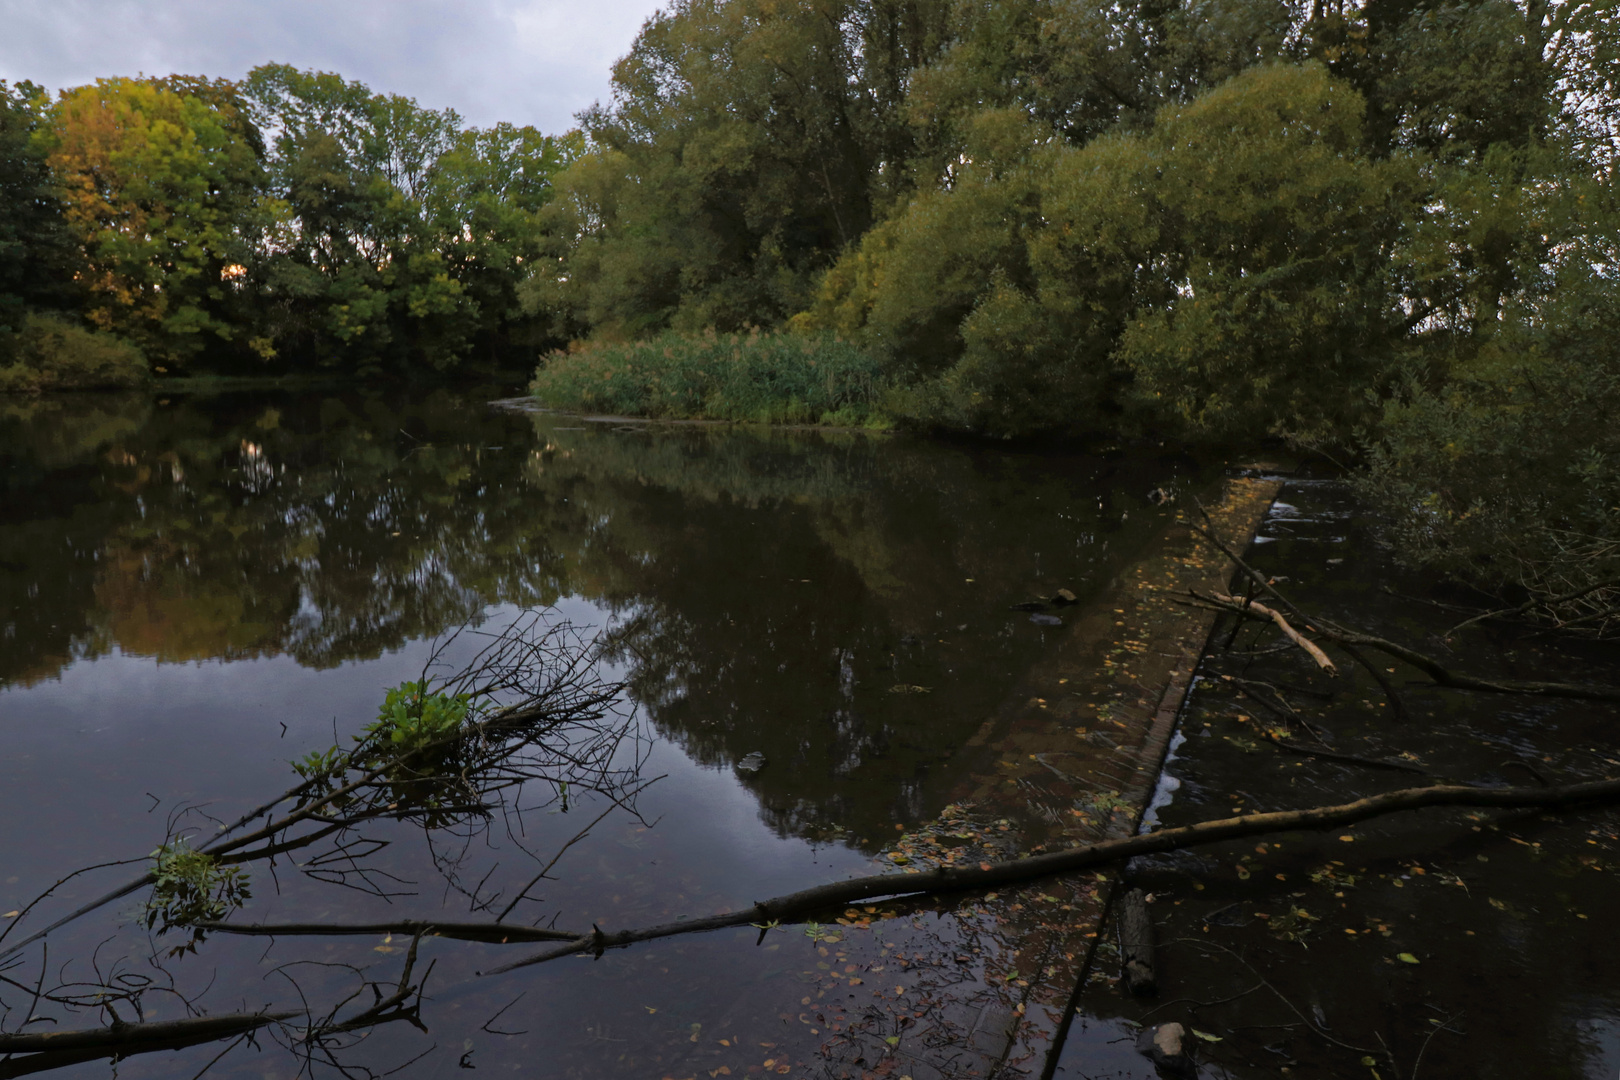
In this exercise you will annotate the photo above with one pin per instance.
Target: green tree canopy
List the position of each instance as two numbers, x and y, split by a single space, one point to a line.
161 181
747 142
36 248
404 234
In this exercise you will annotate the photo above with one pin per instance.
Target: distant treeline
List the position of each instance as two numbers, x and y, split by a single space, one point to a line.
290 221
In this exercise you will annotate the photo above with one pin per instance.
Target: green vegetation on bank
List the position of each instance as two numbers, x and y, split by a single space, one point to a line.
45 351
772 378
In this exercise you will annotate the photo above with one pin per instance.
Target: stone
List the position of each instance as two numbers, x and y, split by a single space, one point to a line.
1166 1046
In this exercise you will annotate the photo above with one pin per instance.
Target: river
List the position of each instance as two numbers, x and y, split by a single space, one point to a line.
195 590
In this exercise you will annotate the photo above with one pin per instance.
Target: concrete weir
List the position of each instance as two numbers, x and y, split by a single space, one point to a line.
982 986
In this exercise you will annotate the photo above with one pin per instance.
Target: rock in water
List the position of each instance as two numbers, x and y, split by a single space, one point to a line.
1166 1047
1159 496
751 763
1064 596
1045 620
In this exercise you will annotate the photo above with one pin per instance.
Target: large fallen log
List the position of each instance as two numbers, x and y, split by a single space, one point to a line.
881 886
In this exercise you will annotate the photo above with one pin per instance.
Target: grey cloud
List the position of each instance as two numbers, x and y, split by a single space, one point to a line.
527 61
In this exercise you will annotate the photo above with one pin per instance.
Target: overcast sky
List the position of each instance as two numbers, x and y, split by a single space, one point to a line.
527 61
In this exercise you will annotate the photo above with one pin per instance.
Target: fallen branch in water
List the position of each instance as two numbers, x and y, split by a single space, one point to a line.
1345 759
499 933
878 886
200 1028
542 714
1547 602
1289 632
1348 639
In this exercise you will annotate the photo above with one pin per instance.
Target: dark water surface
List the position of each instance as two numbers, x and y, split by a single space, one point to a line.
195 591
1428 945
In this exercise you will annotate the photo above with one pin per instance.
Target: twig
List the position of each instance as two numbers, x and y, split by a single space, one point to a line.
582 834
1438 1028
1347 759
1195 1003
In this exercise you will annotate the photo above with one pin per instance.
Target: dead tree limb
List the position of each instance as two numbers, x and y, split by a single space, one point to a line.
1540 601
1346 759
118 1036
1315 652
473 931
1069 860
1436 671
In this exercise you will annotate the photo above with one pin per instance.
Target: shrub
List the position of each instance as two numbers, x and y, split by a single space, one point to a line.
189 887
414 717
1509 475
51 353
758 377
1224 275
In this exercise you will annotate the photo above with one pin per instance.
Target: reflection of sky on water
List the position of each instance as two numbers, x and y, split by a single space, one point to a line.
288 557
181 629
1600 1036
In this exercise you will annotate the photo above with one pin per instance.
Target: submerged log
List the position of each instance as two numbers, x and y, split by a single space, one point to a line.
1136 944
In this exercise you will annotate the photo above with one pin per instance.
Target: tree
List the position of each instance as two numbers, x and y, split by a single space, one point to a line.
36 249
747 143
1275 307
1226 272
485 204
1498 461
160 180
405 234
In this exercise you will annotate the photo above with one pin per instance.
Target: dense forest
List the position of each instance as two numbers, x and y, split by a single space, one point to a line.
1388 232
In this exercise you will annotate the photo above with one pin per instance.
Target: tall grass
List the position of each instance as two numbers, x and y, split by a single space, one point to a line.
772 378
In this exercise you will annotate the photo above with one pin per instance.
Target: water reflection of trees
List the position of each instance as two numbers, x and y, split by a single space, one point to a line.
771 589
331 529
